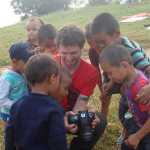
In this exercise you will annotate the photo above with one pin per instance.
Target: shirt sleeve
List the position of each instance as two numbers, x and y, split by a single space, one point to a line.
143 107
57 134
139 61
92 80
5 87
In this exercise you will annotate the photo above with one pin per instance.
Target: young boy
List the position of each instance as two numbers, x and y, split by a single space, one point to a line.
46 36
32 26
12 82
36 120
116 61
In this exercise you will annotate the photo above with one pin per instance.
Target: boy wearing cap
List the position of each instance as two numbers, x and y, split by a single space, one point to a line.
12 81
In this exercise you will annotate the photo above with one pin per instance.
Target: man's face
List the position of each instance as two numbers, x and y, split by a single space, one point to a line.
70 55
102 39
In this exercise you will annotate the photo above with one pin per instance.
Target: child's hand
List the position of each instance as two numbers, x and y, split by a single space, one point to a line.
132 141
107 86
71 128
37 49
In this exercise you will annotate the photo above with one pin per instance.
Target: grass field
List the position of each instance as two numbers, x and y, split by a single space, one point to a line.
134 30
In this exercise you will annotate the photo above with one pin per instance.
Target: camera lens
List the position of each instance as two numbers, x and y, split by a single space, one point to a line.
85 133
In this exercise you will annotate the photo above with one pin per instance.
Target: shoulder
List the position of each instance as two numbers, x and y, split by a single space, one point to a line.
10 76
88 67
140 81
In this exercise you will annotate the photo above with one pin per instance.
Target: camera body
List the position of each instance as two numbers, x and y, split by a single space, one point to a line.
84 121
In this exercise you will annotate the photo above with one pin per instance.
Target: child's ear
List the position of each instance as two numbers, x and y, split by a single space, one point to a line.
117 35
124 65
51 78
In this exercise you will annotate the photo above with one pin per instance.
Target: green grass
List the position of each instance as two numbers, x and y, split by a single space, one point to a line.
135 31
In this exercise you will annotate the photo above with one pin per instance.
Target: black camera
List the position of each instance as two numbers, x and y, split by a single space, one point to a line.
84 121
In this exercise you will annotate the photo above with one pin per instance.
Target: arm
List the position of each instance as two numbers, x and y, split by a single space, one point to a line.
5 87
134 139
81 105
94 59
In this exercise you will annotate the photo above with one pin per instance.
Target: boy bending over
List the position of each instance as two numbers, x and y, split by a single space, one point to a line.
116 61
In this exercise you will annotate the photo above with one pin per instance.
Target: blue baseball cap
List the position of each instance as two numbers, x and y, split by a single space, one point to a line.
21 50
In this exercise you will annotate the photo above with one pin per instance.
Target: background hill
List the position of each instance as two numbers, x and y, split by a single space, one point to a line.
133 30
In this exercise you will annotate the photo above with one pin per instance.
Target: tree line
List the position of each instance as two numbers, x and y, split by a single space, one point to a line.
41 7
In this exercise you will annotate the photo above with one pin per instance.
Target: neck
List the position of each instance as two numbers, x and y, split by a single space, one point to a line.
73 69
15 70
132 74
119 40
39 88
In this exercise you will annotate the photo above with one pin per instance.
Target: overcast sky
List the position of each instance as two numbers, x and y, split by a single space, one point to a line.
7 16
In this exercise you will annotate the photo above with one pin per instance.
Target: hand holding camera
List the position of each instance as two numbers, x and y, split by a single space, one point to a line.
84 121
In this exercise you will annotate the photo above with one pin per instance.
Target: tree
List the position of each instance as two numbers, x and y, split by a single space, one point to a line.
38 7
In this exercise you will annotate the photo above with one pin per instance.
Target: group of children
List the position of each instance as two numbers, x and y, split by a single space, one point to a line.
100 33
36 118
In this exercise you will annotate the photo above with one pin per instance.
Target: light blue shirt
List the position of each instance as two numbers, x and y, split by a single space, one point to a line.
12 87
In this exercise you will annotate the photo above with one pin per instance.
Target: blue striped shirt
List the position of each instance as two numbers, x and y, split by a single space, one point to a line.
139 57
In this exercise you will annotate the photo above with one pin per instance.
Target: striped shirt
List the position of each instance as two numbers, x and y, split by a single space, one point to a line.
139 58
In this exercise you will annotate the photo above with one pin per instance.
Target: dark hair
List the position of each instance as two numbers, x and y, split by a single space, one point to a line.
104 22
47 31
115 54
87 29
70 35
39 67
34 19
64 73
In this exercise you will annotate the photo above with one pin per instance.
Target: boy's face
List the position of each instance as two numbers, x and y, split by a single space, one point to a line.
48 46
102 39
63 89
18 65
117 74
32 30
